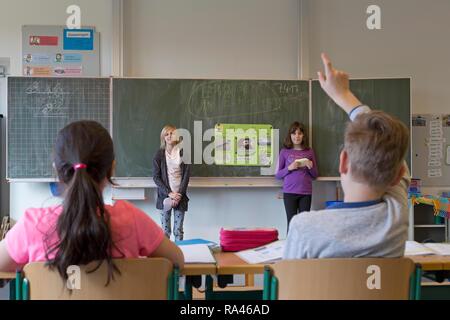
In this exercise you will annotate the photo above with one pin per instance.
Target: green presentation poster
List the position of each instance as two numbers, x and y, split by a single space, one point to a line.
243 145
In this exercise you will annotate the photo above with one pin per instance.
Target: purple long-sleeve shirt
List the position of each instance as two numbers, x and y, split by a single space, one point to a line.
298 181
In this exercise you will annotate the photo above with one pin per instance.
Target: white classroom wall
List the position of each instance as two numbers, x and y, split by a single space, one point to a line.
16 13
233 39
412 43
251 39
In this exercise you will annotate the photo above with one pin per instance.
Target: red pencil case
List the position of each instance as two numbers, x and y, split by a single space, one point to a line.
242 238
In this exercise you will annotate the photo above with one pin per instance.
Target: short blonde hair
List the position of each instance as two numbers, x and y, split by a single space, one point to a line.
376 145
163 134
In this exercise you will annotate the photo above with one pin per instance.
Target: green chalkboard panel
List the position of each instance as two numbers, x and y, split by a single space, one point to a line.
142 107
328 120
38 108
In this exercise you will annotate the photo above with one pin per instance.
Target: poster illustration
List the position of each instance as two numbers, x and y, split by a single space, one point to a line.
45 52
243 144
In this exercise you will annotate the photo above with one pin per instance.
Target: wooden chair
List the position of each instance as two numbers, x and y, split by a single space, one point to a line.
140 279
343 279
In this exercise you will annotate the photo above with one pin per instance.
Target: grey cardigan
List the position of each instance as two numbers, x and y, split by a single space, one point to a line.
162 181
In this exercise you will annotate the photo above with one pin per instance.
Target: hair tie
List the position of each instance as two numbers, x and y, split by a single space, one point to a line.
79 166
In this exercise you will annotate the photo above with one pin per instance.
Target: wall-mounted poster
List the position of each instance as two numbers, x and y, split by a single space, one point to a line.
80 39
60 52
431 149
243 144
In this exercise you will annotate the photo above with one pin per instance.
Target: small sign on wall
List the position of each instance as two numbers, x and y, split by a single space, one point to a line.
82 39
55 51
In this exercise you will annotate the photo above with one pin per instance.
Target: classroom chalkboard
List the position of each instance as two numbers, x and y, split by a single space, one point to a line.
142 107
328 121
38 108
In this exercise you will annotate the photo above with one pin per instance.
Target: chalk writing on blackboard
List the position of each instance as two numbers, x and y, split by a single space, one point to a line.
216 99
51 99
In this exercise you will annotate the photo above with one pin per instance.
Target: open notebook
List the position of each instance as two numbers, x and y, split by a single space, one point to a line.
197 253
413 248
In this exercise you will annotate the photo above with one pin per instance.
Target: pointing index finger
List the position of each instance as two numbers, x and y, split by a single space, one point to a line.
327 64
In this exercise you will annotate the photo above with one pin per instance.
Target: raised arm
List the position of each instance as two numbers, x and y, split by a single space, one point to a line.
337 85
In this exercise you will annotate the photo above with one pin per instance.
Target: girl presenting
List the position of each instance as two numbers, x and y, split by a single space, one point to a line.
297 167
171 176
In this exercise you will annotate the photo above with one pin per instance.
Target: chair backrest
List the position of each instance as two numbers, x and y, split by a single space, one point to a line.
140 279
349 279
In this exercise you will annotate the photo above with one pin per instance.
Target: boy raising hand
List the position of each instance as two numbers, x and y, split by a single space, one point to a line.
373 219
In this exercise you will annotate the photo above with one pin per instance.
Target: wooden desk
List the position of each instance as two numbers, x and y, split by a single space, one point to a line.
198 269
193 273
230 263
432 263
7 275
188 270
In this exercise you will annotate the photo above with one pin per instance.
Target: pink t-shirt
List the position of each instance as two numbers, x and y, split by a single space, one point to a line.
133 232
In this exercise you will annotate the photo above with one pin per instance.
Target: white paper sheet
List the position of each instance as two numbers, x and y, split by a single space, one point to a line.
197 253
264 254
413 248
442 249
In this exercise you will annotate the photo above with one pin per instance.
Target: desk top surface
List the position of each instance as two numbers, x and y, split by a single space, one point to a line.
188 270
7 275
196 269
433 262
229 262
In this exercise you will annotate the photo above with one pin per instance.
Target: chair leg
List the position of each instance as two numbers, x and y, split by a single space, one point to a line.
267 282
18 285
418 282
176 284
25 289
188 288
170 286
274 289
12 290
209 293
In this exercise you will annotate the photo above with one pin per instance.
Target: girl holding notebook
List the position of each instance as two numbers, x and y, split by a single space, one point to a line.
297 168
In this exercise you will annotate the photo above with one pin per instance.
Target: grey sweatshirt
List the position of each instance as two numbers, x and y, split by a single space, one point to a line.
379 230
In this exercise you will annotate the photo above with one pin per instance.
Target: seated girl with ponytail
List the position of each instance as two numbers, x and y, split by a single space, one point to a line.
83 229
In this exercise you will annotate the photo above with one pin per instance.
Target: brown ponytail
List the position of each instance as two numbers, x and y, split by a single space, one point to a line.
83 228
